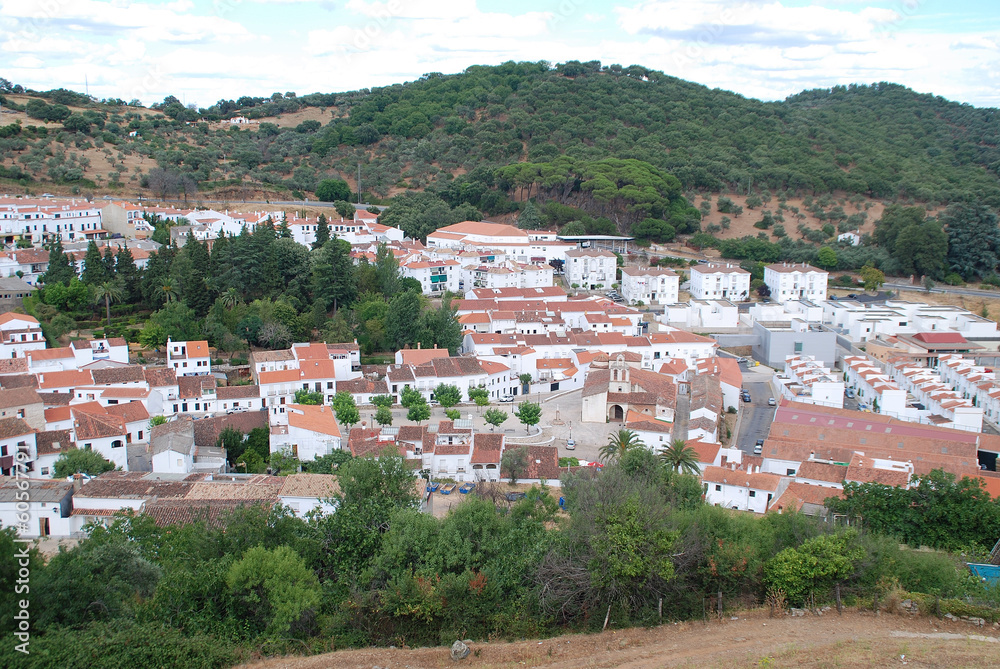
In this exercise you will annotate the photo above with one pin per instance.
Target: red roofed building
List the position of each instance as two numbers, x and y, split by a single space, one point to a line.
189 358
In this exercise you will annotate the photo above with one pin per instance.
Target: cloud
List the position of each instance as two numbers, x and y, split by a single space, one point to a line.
166 23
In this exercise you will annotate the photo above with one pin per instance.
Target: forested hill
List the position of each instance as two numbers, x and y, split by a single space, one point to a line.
882 141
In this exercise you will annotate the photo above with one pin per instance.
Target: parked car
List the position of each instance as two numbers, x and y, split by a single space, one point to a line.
852 296
745 396
570 445
758 448
771 402
849 393
506 398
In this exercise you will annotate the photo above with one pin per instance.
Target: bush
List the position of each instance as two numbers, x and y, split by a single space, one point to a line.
954 279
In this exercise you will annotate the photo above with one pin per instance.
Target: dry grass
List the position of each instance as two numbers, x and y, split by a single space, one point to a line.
854 640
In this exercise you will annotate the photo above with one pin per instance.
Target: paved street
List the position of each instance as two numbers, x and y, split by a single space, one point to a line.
757 415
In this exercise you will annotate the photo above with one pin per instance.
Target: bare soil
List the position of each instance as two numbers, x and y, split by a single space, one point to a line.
854 640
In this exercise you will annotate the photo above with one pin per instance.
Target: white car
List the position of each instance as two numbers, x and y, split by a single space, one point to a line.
506 398
570 445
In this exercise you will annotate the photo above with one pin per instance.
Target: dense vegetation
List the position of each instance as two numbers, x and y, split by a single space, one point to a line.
882 141
253 289
378 571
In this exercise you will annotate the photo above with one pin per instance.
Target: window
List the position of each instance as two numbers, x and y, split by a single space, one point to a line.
45 471
718 488
753 493
798 347
139 435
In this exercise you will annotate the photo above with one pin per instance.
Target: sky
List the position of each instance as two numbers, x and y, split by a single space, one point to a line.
204 50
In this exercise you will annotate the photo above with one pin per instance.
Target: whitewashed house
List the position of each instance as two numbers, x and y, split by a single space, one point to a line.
726 281
796 281
649 285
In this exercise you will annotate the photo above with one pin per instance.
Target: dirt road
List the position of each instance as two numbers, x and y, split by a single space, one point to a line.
754 640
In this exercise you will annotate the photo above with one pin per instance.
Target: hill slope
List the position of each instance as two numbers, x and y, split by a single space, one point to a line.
882 141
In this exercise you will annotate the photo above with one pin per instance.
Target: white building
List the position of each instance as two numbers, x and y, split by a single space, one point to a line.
306 493
791 281
591 269
874 387
189 358
727 281
706 315
435 276
733 488
649 285
49 507
311 432
808 381
19 333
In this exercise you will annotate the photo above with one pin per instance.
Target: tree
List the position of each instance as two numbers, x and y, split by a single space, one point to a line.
382 401
383 416
753 201
447 395
80 461
402 322
322 232
973 239
283 463
525 380
274 591
167 290
480 396
409 396
815 565
495 418
873 278
680 457
529 218
333 278
529 413
514 463
109 291
93 581
618 444
826 258
60 269
331 190
453 414
573 229
418 412
346 409
387 271
303 396
929 284
345 209
94 271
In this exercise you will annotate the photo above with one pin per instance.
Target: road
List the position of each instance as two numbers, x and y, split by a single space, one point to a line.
757 415
950 290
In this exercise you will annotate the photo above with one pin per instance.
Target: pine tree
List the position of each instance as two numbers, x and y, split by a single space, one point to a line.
127 272
283 230
60 270
93 266
322 232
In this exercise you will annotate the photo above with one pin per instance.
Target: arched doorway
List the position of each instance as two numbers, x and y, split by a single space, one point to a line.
616 412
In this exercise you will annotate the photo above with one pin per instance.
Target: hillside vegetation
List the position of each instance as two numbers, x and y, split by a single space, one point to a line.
883 141
602 149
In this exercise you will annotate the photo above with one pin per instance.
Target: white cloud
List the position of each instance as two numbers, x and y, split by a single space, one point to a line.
139 21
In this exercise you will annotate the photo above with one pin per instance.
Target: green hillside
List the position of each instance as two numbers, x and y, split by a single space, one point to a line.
881 141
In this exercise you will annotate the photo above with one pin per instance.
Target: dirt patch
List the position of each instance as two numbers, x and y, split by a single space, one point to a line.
853 640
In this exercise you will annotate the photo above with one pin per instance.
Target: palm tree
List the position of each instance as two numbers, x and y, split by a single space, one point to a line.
231 298
109 291
168 290
618 444
679 456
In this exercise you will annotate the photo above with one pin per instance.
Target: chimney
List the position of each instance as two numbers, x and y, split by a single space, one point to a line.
77 482
418 346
